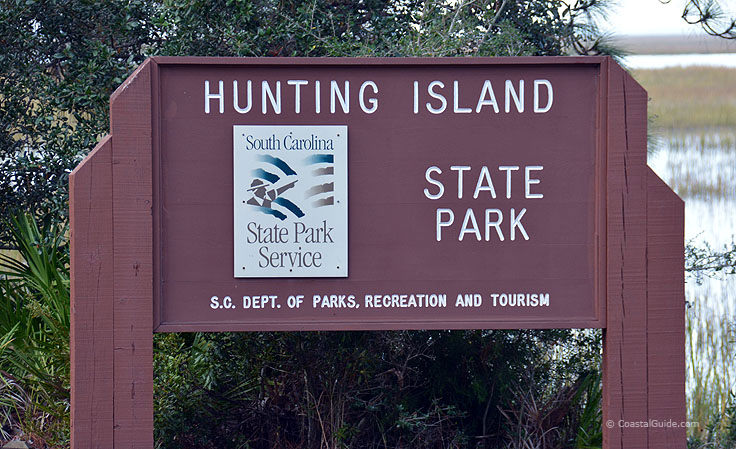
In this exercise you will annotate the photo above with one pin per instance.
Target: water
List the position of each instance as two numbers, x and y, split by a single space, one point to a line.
701 168
682 60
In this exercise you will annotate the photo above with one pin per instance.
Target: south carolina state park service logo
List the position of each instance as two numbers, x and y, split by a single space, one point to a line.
274 179
290 201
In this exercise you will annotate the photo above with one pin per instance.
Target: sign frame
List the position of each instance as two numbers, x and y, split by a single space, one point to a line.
116 261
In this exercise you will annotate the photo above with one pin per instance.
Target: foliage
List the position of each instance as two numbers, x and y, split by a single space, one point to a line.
432 389
59 62
711 17
559 415
720 432
702 260
34 331
590 418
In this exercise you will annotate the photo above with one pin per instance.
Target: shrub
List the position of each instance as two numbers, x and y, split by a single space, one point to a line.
34 332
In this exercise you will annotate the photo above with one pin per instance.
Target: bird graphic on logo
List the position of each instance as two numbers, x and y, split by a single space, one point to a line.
267 188
275 178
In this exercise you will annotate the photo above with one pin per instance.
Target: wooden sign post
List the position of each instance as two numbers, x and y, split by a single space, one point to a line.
342 194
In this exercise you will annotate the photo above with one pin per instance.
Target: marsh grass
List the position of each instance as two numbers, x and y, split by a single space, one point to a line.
699 165
711 367
693 124
691 98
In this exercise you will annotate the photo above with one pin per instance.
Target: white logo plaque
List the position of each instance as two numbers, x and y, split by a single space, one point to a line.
290 195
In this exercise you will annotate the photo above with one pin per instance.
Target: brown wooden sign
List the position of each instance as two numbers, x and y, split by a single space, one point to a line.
337 194
467 187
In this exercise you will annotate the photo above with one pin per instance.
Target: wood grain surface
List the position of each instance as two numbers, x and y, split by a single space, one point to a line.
130 117
625 338
91 339
665 314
